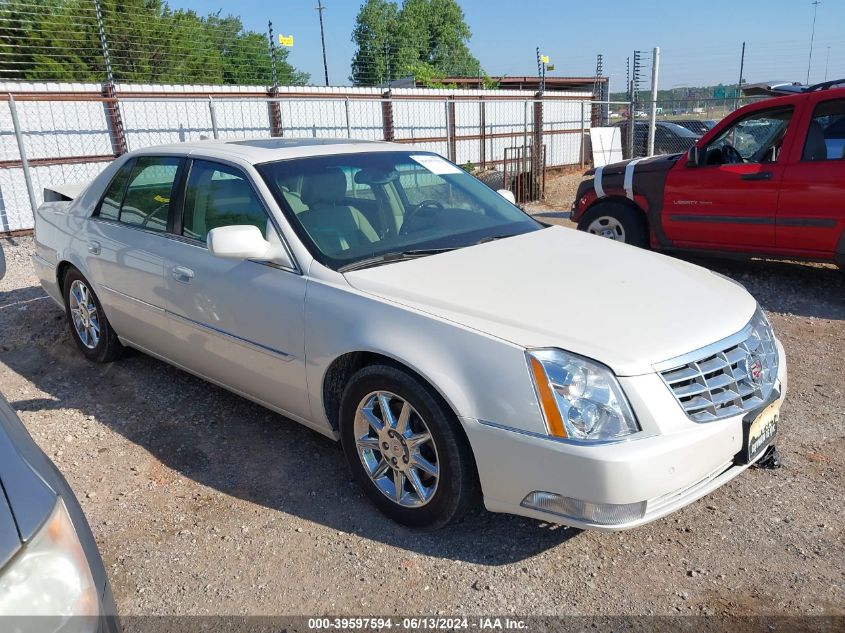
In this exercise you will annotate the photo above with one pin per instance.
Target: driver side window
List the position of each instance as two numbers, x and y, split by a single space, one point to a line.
756 138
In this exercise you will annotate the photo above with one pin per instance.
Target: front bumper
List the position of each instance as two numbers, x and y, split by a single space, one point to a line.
669 469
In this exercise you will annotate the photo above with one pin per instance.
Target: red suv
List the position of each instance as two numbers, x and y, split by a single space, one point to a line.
768 180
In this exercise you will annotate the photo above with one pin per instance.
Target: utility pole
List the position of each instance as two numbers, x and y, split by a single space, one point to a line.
741 70
815 4
320 9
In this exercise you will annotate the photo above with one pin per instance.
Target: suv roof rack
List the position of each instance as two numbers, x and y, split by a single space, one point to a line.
825 85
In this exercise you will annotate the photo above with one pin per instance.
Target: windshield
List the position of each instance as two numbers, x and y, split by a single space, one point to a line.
678 130
353 207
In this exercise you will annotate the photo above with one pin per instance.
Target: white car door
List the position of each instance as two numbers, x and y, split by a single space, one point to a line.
123 245
237 322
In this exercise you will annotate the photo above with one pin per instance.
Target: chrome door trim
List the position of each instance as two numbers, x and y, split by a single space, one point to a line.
264 349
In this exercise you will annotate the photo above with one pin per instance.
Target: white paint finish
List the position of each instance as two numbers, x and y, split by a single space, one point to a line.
624 309
462 320
598 185
628 178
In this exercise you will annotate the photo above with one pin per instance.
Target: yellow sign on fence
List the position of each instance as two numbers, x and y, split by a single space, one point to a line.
286 40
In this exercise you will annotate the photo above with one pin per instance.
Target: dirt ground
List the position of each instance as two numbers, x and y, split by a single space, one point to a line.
202 502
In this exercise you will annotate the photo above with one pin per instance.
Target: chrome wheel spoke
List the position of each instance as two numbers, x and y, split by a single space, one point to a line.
418 461
402 421
398 484
386 414
414 478
372 419
381 470
368 442
415 441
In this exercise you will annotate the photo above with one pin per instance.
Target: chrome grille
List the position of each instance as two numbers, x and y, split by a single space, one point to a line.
730 377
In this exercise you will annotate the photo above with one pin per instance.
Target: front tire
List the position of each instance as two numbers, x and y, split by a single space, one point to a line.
89 327
616 221
406 449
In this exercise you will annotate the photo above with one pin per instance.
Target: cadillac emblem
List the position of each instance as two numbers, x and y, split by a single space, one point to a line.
754 368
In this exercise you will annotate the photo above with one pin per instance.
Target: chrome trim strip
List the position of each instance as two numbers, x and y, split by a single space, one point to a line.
639 435
235 338
707 350
127 297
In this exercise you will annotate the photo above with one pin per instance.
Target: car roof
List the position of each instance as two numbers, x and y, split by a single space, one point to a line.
267 149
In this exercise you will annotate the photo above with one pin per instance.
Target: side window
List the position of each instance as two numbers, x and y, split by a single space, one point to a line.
826 132
110 206
756 138
217 196
147 200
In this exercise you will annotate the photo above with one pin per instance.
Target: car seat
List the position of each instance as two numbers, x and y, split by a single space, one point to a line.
333 225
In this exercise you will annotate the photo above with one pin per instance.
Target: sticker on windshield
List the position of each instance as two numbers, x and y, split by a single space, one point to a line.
435 164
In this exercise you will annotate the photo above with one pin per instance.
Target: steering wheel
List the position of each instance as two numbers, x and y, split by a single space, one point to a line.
731 155
416 211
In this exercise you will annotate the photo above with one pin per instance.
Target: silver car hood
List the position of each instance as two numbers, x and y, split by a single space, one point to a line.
624 306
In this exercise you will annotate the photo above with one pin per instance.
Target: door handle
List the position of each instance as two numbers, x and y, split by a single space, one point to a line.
760 175
94 248
182 274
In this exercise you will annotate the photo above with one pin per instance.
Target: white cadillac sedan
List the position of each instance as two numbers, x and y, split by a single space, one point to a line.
454 345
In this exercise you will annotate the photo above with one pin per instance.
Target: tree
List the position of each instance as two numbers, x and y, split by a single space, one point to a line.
148 43
424 38
374 36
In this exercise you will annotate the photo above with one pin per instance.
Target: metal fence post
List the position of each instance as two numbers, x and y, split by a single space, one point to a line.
212 112
348 124
387 117
583 134
27 176
652 119
453 130
448 127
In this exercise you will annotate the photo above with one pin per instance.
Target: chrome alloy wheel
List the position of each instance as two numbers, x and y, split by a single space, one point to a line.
83 311
396 449
608 227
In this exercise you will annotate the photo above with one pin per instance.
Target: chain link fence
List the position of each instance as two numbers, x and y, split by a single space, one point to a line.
67 133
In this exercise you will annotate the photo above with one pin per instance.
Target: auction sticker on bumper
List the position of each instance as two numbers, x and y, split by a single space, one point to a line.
761 431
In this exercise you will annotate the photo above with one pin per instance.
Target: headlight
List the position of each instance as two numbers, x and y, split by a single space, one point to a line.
50 577
580 398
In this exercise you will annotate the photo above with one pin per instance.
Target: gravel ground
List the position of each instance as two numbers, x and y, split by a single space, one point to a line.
205 503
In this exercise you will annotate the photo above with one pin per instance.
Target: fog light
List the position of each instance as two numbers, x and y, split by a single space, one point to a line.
585 511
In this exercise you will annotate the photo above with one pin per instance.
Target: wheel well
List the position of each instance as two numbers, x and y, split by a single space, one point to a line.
343 368
61 272
622 201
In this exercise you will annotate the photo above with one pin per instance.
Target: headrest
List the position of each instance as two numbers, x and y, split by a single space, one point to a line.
326 186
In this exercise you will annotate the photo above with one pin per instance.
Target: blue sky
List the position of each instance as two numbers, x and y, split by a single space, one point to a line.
700 42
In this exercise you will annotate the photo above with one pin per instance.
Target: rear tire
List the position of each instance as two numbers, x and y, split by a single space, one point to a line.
617 221
89 327
436 477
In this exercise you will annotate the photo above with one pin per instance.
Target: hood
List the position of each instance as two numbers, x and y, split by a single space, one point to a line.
626 307
25 498
661 163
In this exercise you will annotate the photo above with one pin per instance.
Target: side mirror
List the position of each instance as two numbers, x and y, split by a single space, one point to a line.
244 241
693 156
507 195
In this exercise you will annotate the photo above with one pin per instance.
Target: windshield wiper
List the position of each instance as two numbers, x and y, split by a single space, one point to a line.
493 238
393 256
